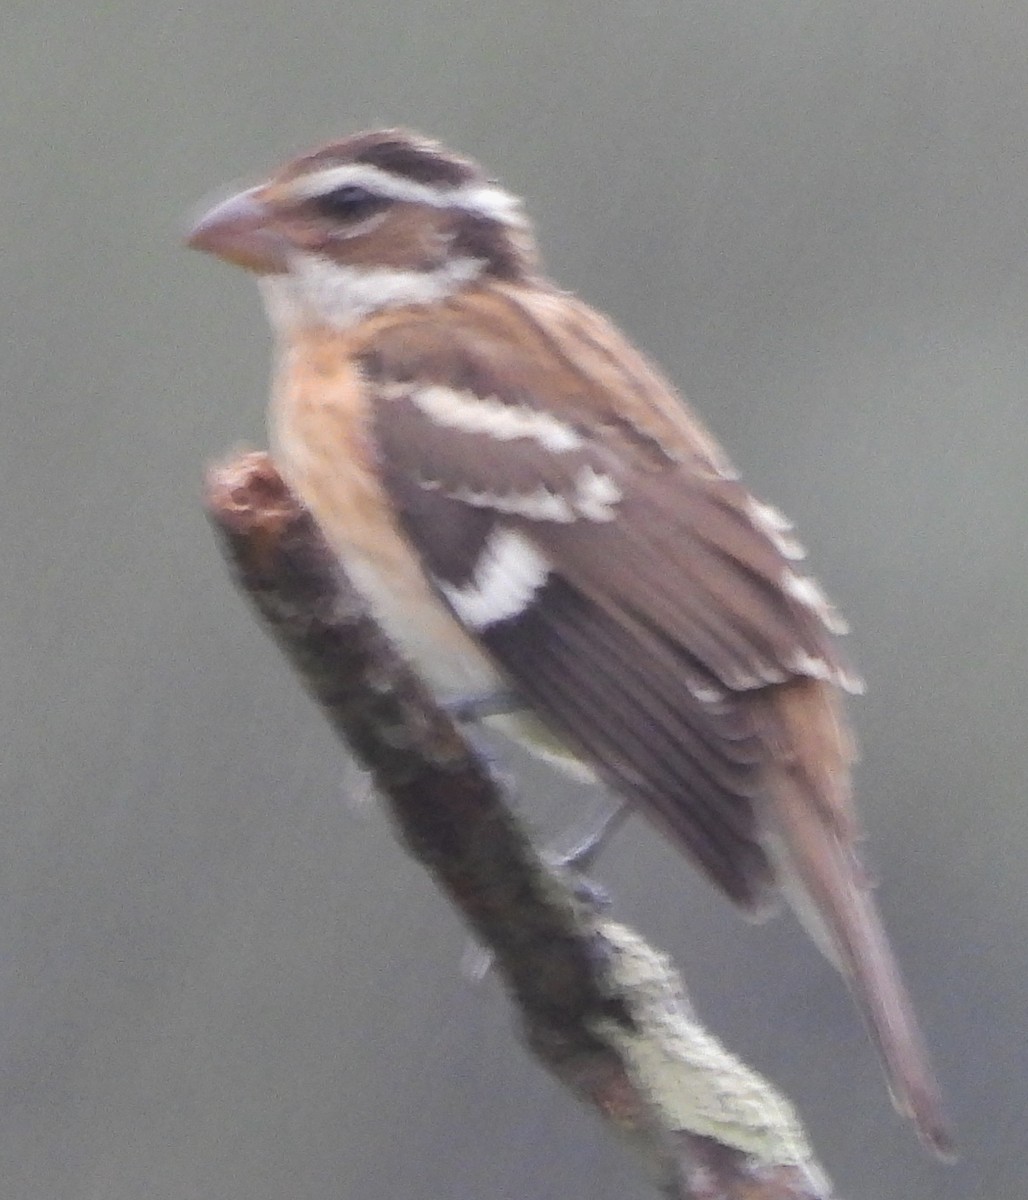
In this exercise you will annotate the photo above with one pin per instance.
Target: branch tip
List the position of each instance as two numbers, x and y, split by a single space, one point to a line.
246 494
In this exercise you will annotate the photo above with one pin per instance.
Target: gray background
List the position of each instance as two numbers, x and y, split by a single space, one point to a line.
215 979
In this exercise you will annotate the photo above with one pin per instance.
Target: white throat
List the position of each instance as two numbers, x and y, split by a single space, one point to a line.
319 291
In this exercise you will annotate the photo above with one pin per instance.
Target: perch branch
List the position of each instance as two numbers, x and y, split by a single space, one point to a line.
603 1011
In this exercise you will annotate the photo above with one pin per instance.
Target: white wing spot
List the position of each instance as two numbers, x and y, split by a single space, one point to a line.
769 516
811 595
741 681
540 505
487 414
851 683
803 663
816 668
704 693
594 498
508 574
771 674
775 526
596 495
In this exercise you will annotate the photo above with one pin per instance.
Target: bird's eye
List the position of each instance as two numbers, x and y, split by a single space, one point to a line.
349 203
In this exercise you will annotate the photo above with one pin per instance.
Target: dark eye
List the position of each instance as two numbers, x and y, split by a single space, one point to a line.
349 203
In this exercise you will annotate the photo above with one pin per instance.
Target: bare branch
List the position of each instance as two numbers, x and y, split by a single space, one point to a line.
602 1010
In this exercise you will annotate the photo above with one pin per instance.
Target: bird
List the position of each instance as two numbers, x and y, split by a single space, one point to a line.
531 509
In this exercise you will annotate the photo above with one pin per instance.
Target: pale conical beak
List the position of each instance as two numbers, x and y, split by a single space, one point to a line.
240 231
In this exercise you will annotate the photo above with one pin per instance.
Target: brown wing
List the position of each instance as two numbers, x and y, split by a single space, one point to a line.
668 600
581 521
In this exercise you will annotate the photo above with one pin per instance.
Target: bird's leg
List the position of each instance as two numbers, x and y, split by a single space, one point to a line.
585 850
583 853
477 961
474 708
471 710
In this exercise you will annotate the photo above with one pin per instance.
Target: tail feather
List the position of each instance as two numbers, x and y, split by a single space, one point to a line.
821 857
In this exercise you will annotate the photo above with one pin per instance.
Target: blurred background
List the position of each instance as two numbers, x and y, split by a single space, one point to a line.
219 980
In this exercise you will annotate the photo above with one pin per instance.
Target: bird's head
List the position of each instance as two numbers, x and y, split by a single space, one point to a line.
378 220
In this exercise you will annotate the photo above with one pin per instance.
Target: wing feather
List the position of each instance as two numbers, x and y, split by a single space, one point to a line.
647 609
661 615
569 659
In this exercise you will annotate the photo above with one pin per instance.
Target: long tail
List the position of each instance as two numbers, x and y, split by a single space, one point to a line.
808 785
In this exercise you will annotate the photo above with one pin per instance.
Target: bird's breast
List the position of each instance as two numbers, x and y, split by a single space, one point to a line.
321 434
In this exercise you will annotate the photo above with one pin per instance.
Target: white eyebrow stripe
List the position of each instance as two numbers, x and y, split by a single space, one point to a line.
482 199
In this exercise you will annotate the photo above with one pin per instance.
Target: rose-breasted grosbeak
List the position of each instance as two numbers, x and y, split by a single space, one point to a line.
528 504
